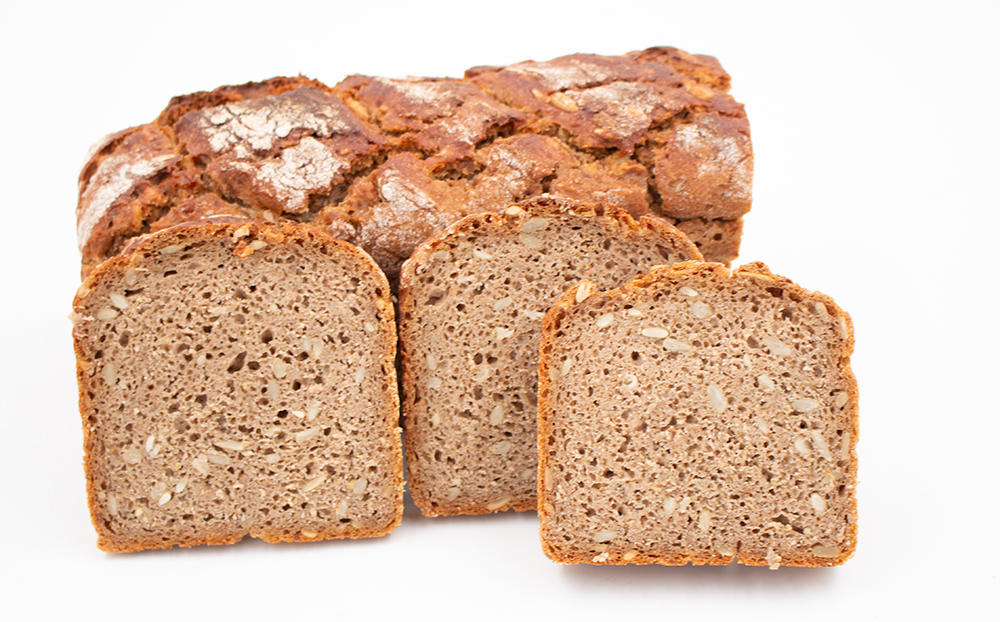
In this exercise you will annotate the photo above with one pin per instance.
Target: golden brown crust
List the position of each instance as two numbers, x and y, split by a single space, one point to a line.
385 163
183 104
756 271
617 218
443 118
246 232
135 177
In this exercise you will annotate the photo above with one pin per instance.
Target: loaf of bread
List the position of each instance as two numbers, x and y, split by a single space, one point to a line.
387 163
697 415
471 301
238 379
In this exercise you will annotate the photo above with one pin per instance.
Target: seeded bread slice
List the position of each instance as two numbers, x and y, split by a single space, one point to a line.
471 303
697 415
238 379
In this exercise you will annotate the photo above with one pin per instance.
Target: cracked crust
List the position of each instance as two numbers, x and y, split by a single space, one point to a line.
565 534
651 131
117 440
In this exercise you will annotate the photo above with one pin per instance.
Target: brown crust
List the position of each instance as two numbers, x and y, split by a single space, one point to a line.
133 177
275 233
183 104
620 130
544 205
757 271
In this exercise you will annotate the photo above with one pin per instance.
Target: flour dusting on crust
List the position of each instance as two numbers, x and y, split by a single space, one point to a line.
115 176
306 169
259 123
718 154
562 74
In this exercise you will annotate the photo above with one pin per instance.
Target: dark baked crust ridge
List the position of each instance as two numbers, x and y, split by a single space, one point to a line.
244 235
760 275
663 240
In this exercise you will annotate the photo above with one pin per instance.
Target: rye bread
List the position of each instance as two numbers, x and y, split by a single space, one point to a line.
697 415
385 163
471 301
238 379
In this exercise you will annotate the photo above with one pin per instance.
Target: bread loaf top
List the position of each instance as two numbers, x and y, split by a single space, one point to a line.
386 163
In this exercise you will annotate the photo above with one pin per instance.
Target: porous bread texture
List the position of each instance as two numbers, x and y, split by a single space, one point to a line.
386 163
696 416
471 302
237 380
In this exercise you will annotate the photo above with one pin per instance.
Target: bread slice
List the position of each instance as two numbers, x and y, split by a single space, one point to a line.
237 379
697 415
471 303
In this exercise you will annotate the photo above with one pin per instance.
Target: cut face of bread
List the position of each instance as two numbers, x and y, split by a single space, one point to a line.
237 379
699 416
471 303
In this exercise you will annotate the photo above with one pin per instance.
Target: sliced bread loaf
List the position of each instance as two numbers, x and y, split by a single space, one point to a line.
238 379
471 303
697 415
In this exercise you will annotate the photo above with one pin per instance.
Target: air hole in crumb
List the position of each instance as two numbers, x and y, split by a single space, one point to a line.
237 363
253 365
267 336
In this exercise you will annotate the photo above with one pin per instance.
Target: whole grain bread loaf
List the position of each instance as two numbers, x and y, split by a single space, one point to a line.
697 415
238 379
386 163
471 301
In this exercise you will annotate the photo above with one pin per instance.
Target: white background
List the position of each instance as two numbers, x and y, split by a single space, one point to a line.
875 128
